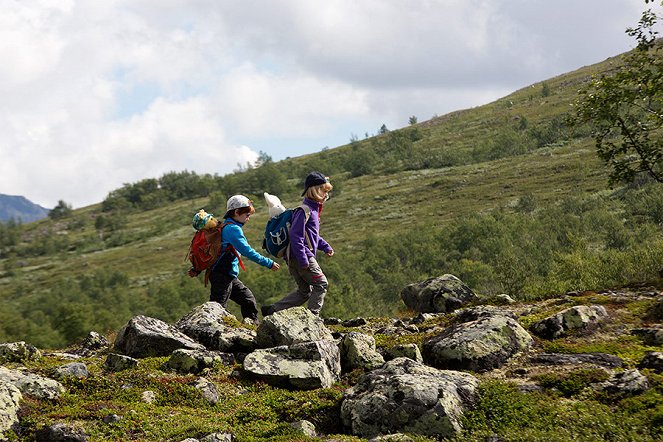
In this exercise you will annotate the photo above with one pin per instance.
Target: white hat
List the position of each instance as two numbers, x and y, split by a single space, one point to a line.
237 202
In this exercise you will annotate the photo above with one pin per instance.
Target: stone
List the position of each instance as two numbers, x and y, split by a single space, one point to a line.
481 345
601 359
208 389
291 326
404 396
305 427
32 384
649 335
195 361
443 294
626 383
115 362
18 352
73 369
10 397
302 366
144 337
59 433
358 351
573 319
209 324
405 351
652 360
92 344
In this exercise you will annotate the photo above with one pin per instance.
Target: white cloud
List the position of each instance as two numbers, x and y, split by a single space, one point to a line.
95 94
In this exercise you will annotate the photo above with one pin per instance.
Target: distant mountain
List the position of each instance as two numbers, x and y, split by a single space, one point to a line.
20 208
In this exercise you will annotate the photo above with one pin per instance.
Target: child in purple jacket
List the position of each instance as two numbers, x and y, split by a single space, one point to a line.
305 240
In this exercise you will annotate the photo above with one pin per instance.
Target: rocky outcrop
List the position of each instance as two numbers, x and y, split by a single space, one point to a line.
404 351
32 384
480 345
443 294
573 319
10 396
115 362
291 326
358 351
208 324
600 359
73 369
304 366
145 337
626 383
409 397
195 361
92 344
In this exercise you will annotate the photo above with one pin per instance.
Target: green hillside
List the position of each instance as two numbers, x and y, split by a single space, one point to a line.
505 196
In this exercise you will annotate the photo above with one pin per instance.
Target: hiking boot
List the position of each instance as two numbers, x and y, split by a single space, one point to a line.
266 310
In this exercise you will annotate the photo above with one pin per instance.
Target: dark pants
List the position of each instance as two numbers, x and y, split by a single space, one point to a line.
226 287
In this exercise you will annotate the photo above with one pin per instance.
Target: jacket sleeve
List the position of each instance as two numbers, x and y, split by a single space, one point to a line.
297 238
323 245
238 240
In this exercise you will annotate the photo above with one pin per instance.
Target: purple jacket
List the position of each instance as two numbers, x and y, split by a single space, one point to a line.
299 246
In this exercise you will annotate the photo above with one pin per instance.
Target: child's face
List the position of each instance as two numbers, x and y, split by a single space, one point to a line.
244 218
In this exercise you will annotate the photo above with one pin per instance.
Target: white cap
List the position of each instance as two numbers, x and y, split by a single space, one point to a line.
237 202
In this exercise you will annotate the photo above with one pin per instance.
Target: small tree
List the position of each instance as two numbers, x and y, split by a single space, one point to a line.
412 120
624 109
62 210
383 129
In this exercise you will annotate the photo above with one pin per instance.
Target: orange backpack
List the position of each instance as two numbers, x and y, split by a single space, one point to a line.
205 250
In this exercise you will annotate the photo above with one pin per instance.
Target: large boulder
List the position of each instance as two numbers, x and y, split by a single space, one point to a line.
144 337
303 366
10 396
358 351
32 384
409 397
573 319
480 345
209 324
443 294
291 326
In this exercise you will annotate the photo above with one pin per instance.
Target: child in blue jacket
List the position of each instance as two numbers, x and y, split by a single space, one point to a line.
224 280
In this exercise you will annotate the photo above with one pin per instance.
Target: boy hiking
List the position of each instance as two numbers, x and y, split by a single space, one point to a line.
223 276
305 240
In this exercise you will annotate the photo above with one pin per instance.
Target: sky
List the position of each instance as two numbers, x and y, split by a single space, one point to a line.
95 94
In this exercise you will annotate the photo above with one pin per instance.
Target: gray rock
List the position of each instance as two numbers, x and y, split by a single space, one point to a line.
195 361
60 433
397 437
481 311
32 384
573 319
291 326
443 294
652 360
73 369
18 352
218 437
601 359
649 335
207 389
480 345
405 351
305 427
209 324
115 362
148 396
10 396
626 383
358 351
111 419
92 344
409 397
144 337
354 322
303 366
657 311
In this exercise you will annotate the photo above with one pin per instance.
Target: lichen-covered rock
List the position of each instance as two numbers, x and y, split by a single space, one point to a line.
443 294
209 324
480 345
144 337
291 326
405 351
600 359
652 360
626 383
207 389
358 351
18 352
115 362
572 319
60 433
73 369
409 397
649 335
195 361
92 344
32 384
304 366
10 396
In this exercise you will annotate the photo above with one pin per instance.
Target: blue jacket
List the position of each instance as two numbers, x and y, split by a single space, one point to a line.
234 235
300 229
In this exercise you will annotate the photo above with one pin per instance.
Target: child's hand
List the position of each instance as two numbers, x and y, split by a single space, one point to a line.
275 266
192 272
330 253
